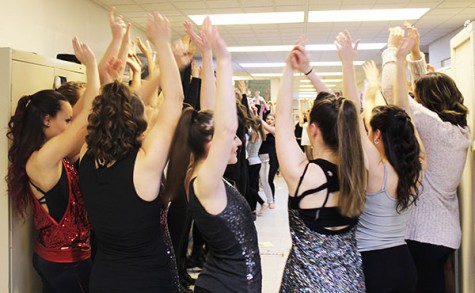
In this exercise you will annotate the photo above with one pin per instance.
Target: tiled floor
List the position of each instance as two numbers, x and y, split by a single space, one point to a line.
274 239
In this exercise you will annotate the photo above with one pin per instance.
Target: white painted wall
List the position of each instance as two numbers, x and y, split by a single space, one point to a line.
440 49
48 26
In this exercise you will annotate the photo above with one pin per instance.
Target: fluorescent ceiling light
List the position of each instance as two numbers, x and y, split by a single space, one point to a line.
282 64
251 18
302 86
324 80
295 74
366 15
287 48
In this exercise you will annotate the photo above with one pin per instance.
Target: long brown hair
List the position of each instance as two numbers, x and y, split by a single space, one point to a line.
25 131
195 129
116 123
439 93
402 151
337 119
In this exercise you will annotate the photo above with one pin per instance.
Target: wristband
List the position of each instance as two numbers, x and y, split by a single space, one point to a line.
310 71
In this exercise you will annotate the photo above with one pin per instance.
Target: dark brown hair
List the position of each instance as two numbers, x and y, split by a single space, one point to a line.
195 129
25 131
337 119
70 90
116 123
402 150
439 93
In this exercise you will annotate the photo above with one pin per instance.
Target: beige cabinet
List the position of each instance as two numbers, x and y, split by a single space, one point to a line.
22 73
463 72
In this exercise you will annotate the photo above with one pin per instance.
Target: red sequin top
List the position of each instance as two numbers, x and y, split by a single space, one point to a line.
68 240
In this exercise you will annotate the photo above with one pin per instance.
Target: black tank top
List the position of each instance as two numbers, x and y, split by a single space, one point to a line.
319 218
233 263
57 198
134 252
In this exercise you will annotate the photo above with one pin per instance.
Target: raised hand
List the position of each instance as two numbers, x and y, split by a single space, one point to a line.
200 40
117 24
396 35
217 43
145 48
372 73
405 47
113 70
158 29
413 33
83 53
345 48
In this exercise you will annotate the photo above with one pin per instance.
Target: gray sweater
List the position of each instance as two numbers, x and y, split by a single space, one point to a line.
435 218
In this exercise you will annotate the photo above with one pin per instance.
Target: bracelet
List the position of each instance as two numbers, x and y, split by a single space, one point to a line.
310 71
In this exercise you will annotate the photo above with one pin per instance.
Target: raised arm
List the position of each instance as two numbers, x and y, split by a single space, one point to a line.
371 90
208 85
208 179
310 72
153 153
347 52
46 162
117 27
292 160
396 35
401 97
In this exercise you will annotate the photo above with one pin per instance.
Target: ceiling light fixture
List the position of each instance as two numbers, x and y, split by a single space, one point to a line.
366 15
282 64
287 48
251 18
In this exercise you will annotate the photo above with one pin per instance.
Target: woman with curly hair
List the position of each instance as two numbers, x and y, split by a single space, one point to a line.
433 231
45 138
395 162
120 176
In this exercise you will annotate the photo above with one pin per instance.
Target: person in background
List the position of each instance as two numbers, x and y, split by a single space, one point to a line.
46 135
72 90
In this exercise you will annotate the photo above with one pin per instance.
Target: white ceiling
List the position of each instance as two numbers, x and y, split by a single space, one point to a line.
443 17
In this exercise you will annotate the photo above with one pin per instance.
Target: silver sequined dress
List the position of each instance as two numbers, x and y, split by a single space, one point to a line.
322 260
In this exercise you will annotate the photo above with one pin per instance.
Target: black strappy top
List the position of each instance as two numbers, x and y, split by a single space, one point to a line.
56 198
318 218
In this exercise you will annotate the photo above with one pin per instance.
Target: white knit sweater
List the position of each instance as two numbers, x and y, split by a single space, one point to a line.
435 218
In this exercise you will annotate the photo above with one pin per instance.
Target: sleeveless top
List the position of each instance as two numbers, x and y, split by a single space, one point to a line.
134 251
233 263
268 145
65 241
381 225
319 218
322 260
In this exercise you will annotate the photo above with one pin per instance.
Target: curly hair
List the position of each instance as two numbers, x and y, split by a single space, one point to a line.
439 93
402 151
116 123
25 131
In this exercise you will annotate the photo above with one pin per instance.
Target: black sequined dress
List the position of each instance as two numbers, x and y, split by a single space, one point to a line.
233 262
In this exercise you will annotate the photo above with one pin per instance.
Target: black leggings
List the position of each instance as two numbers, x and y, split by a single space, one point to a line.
430 261
389 270
274 166
253 187
63 277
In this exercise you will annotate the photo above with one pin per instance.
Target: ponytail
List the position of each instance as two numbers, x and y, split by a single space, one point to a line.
351 171
179 155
